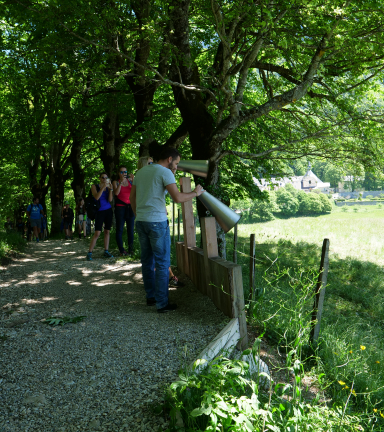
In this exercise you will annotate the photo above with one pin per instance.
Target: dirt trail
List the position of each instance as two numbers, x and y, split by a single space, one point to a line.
105 372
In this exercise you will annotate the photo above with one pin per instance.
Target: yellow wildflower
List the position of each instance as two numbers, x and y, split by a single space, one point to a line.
350 352
375 410
377 361
346 388
341 382
362 347
382 415
353 392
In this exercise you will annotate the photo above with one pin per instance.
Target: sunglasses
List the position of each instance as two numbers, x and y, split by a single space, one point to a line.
104 178
123 172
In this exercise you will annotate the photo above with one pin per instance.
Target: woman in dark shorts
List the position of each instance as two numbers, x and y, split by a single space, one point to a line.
123 210
103 192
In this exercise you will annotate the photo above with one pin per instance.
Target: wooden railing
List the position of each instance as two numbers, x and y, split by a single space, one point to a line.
213 276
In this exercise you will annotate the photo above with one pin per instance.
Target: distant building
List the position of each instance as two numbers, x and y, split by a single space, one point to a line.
306 183
346 184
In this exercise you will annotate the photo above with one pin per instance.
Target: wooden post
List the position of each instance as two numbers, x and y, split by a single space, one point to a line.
251 265
178 224
210 248
188 222
235 245
320 294
173 221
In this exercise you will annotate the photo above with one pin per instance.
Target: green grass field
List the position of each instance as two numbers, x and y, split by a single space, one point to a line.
356 232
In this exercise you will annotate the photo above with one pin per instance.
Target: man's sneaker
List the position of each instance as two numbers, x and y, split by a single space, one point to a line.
174 282
89 256
37 240
151 301
107 254
168 308
124 253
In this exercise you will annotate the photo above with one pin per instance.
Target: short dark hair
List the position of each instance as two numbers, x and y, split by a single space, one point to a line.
35 198
167 152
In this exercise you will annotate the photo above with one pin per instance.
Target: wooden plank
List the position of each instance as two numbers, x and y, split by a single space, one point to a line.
210 248
235 245
224 342
196 265
220 285
320 293
188 222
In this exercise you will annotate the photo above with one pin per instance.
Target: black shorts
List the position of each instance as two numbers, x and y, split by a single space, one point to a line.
68 224
103 216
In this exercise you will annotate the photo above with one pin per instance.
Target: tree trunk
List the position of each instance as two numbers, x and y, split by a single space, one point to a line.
38 186
110 155
57 198
78 182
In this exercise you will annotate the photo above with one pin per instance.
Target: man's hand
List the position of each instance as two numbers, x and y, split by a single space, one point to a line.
198 190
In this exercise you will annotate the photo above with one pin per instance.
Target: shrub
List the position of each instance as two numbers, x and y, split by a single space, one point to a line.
327 205
10 242
262 210
287 203
310 203
369 197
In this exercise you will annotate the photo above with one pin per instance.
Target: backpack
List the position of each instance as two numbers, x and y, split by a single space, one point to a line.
91 205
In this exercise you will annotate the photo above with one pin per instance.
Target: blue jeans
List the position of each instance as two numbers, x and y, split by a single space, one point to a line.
124 215
155 244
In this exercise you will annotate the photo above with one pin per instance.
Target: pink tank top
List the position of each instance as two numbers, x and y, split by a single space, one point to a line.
124 194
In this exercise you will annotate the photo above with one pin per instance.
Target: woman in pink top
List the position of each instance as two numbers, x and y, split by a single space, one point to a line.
123 210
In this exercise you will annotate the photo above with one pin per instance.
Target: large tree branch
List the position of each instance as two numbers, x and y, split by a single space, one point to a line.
228 125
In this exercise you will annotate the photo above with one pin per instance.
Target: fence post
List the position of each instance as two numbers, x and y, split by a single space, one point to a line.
210 248
251 265
320 294
252 244
235 245
178 224
188 222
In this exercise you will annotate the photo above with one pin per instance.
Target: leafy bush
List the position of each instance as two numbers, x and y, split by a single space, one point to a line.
310 203
224 398
327 204
262 210
287 202
370 197
10 242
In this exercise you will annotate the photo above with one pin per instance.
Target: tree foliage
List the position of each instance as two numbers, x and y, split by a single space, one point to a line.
251 86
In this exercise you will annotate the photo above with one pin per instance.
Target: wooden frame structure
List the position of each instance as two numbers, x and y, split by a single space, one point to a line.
213 276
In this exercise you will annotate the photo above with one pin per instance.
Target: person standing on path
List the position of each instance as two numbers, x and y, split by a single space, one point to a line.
148 204
67 215
123 210
81 215
173 280
102 192
34 212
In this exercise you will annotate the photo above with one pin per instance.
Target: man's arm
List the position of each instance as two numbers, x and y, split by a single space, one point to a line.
132 199
181 197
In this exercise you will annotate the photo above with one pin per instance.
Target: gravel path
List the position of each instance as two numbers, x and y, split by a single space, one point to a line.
103 373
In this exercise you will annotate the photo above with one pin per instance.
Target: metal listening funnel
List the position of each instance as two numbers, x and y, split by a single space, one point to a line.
196 167
225 216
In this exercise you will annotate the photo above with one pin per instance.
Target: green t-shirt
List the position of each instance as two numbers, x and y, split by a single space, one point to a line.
151 182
